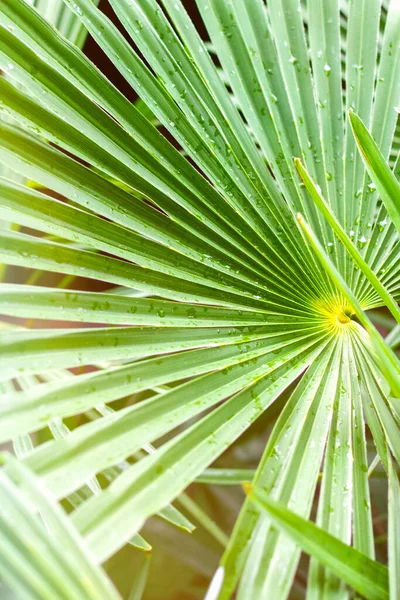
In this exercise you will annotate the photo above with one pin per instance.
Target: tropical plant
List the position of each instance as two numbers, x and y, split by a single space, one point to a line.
237 283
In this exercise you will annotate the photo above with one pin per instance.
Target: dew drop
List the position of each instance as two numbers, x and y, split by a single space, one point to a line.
382 224
362 241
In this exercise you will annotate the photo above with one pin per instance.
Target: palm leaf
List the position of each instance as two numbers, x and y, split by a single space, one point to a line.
190 300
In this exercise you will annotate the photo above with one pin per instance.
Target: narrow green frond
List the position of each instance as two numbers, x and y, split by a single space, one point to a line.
380 173
294 450
28 351
145 487
106 441
36 302
366 576
351 249
226 476
388 361
44 560
140 579
394 533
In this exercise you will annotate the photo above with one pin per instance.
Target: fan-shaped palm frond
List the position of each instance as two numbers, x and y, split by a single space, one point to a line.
214 301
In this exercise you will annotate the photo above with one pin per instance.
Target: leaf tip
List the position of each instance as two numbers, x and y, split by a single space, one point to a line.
353 118
247 487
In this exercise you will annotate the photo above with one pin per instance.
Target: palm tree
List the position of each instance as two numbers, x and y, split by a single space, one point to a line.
235 279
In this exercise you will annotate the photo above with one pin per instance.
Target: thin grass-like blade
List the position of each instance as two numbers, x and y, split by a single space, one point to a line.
366 576
385 296
394 532
388 361
378 169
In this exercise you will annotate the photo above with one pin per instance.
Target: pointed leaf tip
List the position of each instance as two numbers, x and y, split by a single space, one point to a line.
247 488
300 219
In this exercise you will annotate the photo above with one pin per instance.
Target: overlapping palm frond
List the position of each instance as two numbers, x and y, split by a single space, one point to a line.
214 303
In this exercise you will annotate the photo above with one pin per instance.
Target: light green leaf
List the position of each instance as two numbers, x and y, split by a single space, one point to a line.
140 578
388 361
93 307
31 409
366 576
226 476
394 533
255 550
149 484
43 560
106 441
379 171
384 295
27 351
